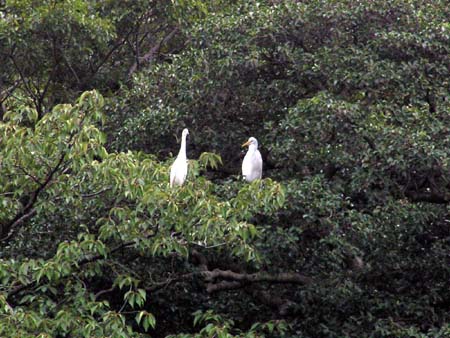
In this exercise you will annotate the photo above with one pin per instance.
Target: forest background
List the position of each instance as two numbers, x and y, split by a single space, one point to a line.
346 235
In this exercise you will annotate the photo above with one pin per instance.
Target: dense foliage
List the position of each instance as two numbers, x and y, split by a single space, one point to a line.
346 235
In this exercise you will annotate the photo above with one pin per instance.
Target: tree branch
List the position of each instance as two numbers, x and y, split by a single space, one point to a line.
16 223
223 286
8 91
26 173
115 249
96 193
42 94
23 80
25 212
234 280
284 277
153 51
95 69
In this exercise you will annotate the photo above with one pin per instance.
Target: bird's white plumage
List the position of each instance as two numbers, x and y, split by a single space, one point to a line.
179 169
252 163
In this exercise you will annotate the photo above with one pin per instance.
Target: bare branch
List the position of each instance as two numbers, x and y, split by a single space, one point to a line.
284 277
95 69
23 80
115 249
101 292
71 68
45 90
26 173
16 223
153 51
8 91
96 193
223 286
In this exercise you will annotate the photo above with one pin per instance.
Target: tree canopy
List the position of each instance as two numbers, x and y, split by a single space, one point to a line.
346 235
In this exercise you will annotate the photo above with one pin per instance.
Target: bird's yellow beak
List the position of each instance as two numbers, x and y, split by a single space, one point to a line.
246 144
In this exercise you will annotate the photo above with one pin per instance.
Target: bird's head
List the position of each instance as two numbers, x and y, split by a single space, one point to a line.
185 132
251 141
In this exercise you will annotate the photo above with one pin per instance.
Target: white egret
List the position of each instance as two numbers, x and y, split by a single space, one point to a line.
252 164
179 169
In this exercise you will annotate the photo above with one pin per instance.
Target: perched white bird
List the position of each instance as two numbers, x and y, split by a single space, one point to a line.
252 164
179 169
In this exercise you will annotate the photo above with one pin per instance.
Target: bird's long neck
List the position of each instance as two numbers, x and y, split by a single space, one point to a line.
182 151
252 148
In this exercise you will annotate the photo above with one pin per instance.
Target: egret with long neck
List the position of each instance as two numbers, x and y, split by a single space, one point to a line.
252 163
179 169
